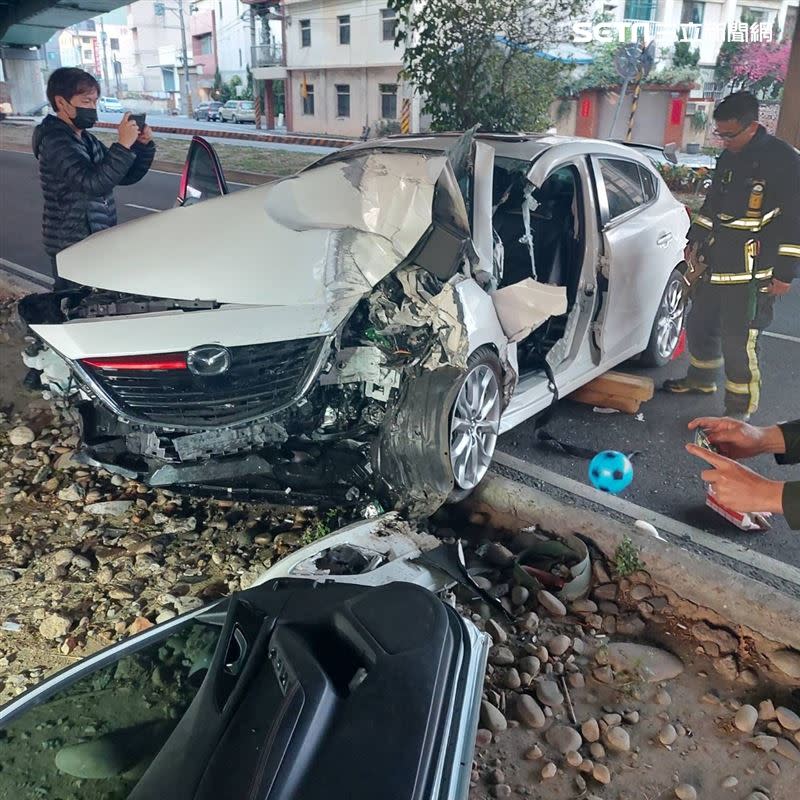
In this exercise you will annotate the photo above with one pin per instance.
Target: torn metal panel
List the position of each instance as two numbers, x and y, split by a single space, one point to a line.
395 543
483 235
560 350
529 205
524 306
365 365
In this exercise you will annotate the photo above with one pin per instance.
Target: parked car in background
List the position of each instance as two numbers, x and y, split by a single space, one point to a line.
285 690
110 105
208 111
238 111
369 326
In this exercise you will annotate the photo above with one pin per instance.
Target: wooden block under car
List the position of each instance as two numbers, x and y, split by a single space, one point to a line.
616 390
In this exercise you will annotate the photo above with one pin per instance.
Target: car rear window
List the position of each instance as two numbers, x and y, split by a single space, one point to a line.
247 106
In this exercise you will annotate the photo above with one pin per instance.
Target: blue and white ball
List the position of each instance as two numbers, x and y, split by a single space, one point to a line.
611 471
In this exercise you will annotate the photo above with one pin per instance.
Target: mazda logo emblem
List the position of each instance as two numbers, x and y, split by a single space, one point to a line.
209 359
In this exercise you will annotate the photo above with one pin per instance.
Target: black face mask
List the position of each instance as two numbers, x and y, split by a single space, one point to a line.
84 117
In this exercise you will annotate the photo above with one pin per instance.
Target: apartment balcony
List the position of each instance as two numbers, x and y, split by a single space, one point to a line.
268 55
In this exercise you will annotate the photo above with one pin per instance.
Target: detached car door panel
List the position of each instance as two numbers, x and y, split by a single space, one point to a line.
202 176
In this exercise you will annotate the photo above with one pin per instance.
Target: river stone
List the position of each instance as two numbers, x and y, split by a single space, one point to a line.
765 743
685 791
511 679
519 595
731 782
55 625
746 718
787 661
787 718
549 693
501 656
617 739
529 712
788 750
492 718
530 664
109 508
563 738
113 754
766 711
650 663
601 774
549 770
551 603
724 639
667 735
590 730
496 631
559 645
21 435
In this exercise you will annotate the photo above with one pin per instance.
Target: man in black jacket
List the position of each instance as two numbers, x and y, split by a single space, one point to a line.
747 238
736 486
77 171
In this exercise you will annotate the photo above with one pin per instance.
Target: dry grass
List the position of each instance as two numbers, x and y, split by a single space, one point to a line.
259 160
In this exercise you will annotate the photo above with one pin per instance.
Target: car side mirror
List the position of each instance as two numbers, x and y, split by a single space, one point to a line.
671 152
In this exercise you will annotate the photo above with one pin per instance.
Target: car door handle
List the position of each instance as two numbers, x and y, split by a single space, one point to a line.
664 239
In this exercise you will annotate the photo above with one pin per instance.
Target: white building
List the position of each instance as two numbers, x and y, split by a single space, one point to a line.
709 18
341 66
233 37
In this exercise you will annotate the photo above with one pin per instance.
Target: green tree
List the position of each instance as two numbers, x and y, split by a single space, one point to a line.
684 56
475 62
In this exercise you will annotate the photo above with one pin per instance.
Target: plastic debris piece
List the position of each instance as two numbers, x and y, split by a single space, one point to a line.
601 410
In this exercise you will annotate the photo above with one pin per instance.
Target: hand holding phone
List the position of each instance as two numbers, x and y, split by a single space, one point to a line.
139 119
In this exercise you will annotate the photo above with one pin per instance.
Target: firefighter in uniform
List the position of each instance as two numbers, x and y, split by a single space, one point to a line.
744 251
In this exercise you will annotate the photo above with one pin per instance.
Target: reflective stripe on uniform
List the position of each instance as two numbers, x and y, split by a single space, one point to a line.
703 222
735 277
714 363
789 250
748 223
750 251
755 371
763 274
737 388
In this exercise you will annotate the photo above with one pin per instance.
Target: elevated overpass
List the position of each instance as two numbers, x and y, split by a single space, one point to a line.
25 25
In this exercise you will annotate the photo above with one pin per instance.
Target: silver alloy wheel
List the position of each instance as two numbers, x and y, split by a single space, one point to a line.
474 423
671 315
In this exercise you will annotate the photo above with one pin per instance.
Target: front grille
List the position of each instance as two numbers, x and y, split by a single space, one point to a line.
260 379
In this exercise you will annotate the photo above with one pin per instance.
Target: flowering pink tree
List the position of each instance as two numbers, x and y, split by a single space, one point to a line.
761 66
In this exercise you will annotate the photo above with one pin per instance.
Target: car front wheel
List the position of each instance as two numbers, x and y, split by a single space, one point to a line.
475 421
668 324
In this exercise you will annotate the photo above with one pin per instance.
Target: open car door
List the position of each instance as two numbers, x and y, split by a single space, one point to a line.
202 176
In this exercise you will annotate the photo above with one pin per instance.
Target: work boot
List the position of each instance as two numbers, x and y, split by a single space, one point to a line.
685 386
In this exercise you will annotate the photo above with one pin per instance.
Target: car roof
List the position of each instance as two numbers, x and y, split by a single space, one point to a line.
523 146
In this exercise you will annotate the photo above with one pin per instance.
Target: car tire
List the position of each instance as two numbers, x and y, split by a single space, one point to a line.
475 422
235 119
668 324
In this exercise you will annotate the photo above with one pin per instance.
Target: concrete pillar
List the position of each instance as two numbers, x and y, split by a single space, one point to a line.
729 14
23 75
789 119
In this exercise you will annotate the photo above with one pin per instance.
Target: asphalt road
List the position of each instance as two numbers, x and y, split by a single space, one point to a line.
665 475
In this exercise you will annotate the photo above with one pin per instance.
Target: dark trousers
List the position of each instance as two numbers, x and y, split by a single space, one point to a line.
722 331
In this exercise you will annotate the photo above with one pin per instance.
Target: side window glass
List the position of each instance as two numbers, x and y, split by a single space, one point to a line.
648 184
95 736
202 178
623 185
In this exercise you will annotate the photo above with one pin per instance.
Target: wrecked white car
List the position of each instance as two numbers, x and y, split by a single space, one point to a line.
368 326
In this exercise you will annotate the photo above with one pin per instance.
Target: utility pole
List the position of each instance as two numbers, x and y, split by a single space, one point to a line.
104 42
187 102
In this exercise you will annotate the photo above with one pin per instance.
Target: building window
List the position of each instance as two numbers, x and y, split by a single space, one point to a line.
342 99
204 46
308 99
692 13
388 100
640 9
114 44
389 24
305 33
88 55
344 29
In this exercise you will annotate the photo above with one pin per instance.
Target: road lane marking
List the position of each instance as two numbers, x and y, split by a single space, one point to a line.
681 530
783 336
144 208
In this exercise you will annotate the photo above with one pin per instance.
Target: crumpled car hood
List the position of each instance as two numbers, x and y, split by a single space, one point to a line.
321 239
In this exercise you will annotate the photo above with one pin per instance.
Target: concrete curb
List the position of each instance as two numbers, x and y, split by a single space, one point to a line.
703 589
315 141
